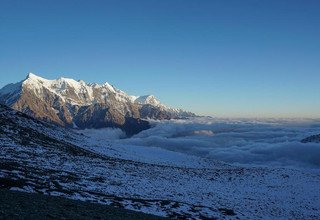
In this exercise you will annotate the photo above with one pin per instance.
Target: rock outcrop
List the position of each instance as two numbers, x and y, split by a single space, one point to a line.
312 139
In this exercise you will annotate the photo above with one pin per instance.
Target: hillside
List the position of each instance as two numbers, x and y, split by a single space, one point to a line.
46 159
14 204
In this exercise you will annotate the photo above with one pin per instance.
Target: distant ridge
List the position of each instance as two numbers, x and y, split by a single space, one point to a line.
72 103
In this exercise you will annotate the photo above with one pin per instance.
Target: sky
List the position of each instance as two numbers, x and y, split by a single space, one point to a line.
226 58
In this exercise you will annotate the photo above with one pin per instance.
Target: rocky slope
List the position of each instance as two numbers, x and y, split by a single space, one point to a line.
42 158
21 205
73 103
310 139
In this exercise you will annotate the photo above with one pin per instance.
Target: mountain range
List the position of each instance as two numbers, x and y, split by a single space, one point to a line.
77 104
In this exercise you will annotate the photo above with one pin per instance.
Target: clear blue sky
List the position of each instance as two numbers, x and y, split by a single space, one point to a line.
258 58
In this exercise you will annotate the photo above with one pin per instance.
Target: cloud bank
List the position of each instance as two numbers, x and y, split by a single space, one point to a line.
258 142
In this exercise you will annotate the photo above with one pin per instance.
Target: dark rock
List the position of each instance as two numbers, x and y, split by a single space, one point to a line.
312 139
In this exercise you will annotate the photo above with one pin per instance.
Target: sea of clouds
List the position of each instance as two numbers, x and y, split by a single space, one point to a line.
243 141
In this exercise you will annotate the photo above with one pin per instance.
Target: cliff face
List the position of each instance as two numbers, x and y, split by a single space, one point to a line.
71 103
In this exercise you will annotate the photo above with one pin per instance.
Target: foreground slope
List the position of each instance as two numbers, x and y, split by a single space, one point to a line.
72 103
42 158
20 205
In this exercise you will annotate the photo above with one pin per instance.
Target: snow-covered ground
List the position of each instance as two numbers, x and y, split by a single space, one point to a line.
269 174
150 178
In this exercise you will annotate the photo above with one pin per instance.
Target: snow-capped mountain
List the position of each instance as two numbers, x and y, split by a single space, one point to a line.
72 103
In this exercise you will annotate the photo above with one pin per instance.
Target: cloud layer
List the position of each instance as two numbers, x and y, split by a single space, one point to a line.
263 142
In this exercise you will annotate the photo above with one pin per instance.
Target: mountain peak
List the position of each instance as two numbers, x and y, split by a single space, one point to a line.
31 75
34 77
148 99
